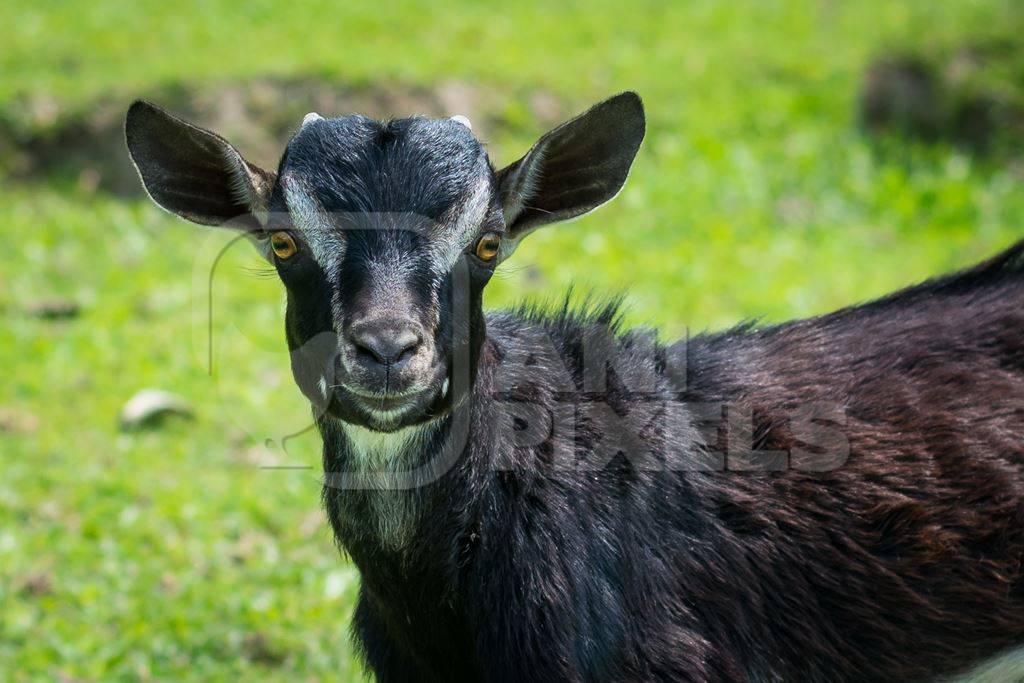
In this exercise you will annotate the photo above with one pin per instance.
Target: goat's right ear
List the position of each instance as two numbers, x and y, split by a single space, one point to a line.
191 171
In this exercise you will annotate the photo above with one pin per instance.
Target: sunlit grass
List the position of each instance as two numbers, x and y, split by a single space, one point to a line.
173 553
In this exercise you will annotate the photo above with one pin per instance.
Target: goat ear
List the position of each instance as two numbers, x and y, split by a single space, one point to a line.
573 168
191 171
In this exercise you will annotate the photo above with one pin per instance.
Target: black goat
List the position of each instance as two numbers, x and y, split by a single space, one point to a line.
544 496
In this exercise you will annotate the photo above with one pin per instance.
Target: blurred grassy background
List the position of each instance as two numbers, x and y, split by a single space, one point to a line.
178 552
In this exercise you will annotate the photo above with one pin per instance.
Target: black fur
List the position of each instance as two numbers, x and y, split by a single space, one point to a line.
903 563
832 499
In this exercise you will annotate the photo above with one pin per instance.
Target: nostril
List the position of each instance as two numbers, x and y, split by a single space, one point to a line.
406 344
385 344
366 349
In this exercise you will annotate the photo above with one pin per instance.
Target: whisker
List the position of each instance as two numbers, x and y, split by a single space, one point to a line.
263 272
506 271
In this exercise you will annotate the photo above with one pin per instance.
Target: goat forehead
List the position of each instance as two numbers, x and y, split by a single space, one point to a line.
428 179
414 165
391 240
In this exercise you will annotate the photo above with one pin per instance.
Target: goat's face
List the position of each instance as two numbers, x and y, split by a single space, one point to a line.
383 219
385 234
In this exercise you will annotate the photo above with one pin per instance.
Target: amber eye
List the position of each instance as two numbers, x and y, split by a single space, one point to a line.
487 246
283 245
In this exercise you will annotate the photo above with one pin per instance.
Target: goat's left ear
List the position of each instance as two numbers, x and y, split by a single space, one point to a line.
572 169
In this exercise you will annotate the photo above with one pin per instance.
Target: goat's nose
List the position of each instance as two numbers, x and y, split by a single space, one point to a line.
389 342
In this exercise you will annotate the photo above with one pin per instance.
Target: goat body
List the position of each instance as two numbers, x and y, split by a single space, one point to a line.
901 562
545 496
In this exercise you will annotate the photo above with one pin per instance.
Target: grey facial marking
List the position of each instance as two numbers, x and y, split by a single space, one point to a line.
388 274
462 224
315 226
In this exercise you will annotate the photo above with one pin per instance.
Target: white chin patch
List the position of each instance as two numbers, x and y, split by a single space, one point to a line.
310 118
322 384
459 118
444 387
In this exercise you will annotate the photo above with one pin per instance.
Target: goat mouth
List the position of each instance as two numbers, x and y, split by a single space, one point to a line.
384 411
378 410
371 395
386 403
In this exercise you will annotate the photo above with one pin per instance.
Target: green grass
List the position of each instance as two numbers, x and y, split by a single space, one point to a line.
172 553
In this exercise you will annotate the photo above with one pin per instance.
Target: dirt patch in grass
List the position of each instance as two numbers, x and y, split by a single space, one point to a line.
41 137
971 96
